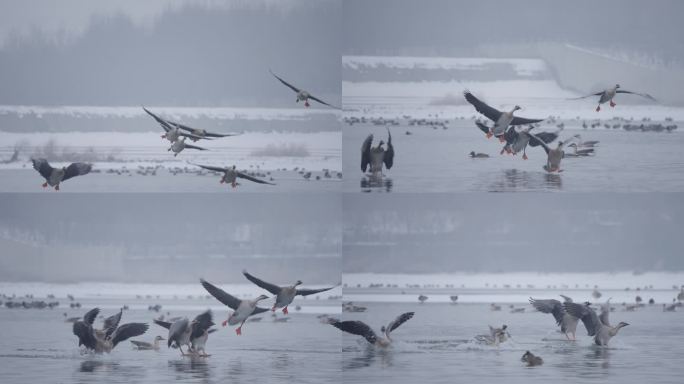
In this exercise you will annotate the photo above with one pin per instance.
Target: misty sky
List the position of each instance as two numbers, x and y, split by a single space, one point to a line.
173 53
168 237
512 232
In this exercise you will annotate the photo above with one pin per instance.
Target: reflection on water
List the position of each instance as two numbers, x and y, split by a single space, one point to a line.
513 179
370 183
97 365
369 356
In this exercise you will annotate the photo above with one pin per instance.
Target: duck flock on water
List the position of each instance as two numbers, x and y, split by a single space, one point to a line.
505 126
177 134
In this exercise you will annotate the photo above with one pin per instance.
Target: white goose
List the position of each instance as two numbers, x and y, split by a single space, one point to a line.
502 120
607 95
55 176
242 308
284 295
362 329
302 95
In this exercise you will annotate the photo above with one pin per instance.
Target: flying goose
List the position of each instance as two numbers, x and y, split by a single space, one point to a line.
302 95
145 346
172 133
198 134
517 141
567 322
553 155
531 359
230 175
105 339
502 120
607 95
376 157
284 295
192 334
362 329
179 145
242 308
599 327
54 176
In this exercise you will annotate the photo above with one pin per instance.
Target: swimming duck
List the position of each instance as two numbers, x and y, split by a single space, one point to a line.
302 95
502 120
376 157
531 359
478 155
284 295
608 94
567 322
362 329
145 346
111 334
55 176
230 175
183 332
242 308
599 327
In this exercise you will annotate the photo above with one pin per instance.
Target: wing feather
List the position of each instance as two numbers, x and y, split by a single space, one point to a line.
221 295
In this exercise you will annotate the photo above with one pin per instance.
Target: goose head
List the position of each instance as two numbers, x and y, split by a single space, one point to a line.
526 356
261 297
159 338
617 86
380 144
472 153
622 324
516 108
298 282
382 329
503 328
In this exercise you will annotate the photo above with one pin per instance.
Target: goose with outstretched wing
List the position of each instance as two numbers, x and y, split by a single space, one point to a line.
55 176
596 326
362 329
502 120
284 295
302 95
105 339
242 309
376 157
608 94
231 174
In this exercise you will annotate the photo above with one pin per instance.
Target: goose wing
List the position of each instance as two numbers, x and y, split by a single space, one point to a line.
524 121
127 331
251 178
194 147
480 106
164 324
484 128
164 124
539 141
210 167
646 95
545 137
551 306
43 167
221 295
356 328
388 158
401 319
77 169
365 152
322 102
586 314
589 95
111 323
193 135
292 87
84 332
201 323
89 317
307 292
272 288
